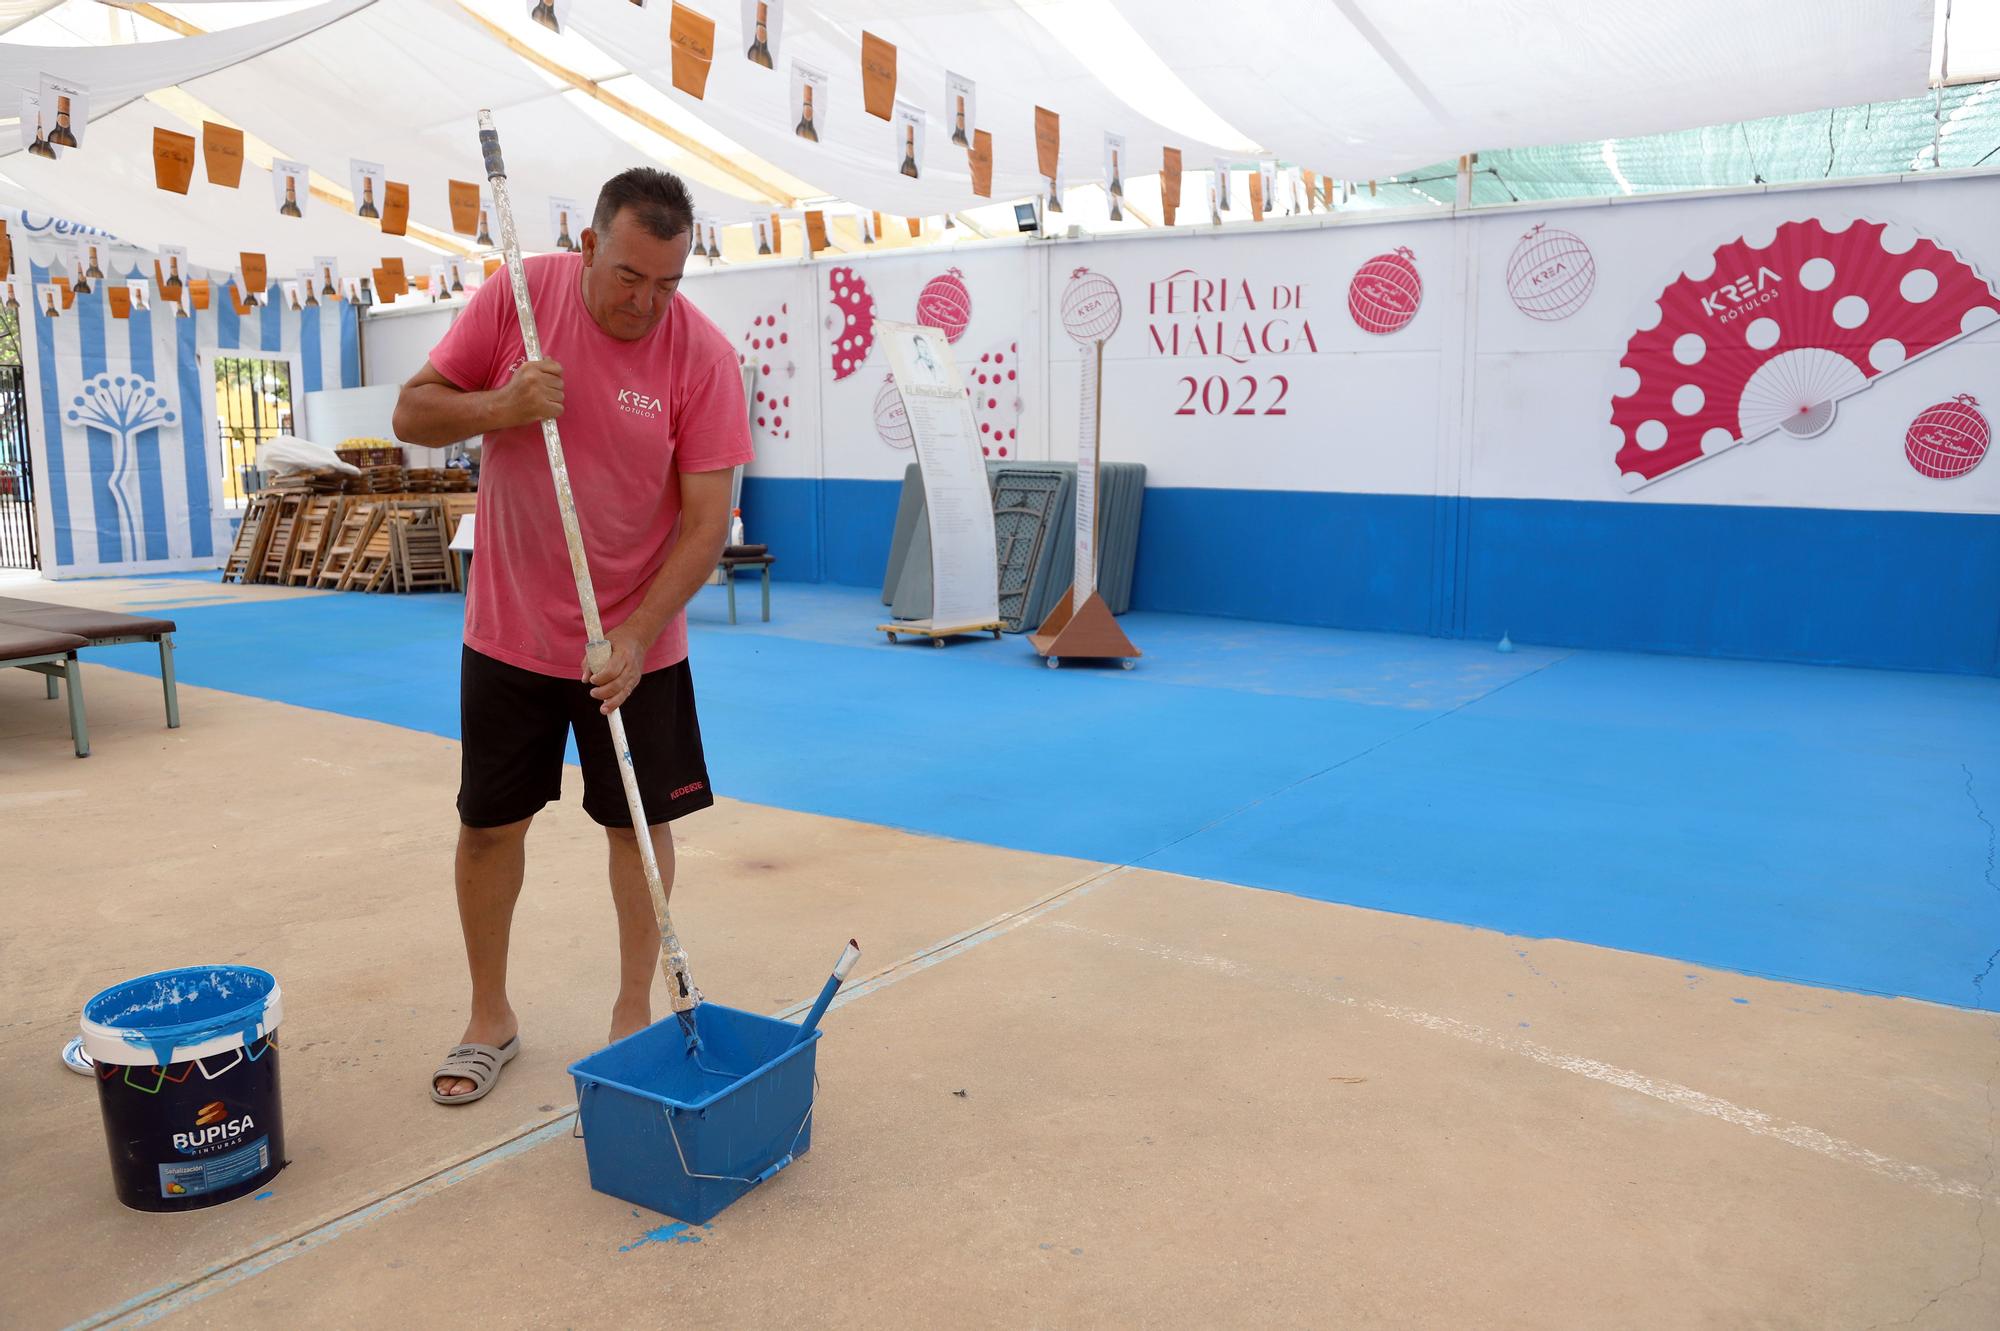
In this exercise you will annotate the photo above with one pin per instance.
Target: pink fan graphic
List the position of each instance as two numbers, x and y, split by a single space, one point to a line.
996 400
892 423
1091 308
768 350
1385 292
946 304
1550 274
850 324
1770 334
1948 439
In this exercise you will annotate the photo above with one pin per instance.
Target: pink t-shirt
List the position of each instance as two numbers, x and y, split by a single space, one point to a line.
634 413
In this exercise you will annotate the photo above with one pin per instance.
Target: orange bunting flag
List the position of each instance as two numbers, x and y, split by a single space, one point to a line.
390 279
464 206
395 208
222 151
878 76
173 160
981 159
1048 141
693 39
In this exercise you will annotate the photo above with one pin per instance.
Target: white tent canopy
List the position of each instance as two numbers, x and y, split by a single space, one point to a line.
1353 88
115 75
1367 88
1014 62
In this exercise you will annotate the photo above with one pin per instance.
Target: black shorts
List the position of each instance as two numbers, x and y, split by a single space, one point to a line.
514 724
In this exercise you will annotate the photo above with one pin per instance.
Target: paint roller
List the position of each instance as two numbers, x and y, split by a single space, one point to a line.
681 992
827 991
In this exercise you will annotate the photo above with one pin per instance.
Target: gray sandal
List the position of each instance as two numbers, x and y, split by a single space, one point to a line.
479 1064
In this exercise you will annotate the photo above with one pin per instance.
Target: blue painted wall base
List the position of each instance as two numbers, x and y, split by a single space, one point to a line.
1910 591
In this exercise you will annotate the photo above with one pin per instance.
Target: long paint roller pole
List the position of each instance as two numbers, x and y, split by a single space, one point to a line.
840 969
681 992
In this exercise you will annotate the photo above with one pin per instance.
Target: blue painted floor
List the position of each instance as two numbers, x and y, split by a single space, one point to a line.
1825 825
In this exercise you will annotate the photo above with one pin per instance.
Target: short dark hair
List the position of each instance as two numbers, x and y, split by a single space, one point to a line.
658 199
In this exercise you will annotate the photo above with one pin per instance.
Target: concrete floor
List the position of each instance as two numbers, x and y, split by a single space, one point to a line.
1183 1101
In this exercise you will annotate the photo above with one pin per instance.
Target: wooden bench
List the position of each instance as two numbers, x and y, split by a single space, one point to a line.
89 628
53 655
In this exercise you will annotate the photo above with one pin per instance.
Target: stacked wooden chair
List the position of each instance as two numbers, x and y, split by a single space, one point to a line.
282 548
417 547
253 538
351 535
316 527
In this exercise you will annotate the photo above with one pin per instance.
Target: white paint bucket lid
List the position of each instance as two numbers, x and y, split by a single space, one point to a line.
175 1015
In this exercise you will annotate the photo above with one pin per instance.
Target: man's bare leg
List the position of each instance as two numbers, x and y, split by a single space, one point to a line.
488 871
638 930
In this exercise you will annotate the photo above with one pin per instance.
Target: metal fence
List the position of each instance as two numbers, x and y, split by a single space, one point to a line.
18 542
253 405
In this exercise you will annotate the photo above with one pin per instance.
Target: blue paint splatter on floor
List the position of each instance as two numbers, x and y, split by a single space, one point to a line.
1743 1001
1800 822
674 1233
262 1196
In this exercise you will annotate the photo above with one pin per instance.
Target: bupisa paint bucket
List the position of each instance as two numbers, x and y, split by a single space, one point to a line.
187 1078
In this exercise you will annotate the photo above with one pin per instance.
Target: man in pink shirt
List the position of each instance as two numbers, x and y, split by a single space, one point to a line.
651 403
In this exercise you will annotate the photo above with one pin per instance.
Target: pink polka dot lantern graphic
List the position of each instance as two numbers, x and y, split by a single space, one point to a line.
1948 439
945 304
892 423
995 388
768 352
1091 309
850 323
1550 274
1385 292
1770 331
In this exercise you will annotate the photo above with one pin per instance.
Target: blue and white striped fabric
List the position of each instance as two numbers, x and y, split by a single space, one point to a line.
126 446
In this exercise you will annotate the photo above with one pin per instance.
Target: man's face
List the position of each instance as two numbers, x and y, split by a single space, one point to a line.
630 275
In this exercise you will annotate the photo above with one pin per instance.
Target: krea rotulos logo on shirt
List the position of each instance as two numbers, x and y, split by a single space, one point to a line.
638 404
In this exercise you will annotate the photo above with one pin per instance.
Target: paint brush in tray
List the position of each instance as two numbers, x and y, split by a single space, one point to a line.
827 991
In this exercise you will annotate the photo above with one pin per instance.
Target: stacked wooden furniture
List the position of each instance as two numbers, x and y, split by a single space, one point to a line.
438 480
246 557
417 547
357 524
279 551
387 529
309 546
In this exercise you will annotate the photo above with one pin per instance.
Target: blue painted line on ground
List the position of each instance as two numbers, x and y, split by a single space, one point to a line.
165 1300
147 1309
1803 823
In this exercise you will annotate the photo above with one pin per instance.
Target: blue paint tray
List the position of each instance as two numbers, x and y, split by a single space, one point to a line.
687 1134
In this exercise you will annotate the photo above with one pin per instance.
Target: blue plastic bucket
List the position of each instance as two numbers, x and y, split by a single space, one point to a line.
686 1135
187 1083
